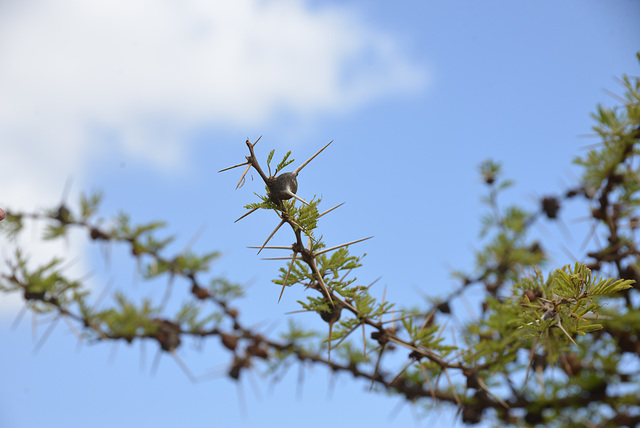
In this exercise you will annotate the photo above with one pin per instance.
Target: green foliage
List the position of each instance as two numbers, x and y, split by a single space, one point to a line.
509 250
12 225
53 231
266 204
89 205
618 127
577 283
43 287
550 311
271 153
128 321
283 163
225 289
190 315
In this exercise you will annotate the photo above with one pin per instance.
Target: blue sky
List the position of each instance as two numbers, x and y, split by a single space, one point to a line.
148 100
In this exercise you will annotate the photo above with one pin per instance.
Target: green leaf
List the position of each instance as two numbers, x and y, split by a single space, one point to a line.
610 286
271 153
89 204
12 225
283 164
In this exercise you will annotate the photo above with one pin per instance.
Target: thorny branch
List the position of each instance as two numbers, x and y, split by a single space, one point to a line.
384 334
540 317
167 332
493 278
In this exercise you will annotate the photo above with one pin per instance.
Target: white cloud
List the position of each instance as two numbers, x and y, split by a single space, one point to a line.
148 71
68 65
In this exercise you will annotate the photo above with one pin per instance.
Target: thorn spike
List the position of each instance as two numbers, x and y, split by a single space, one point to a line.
343 245
235 166
293 195
284 283
272 233
241 182
246 214
297 170
330 209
